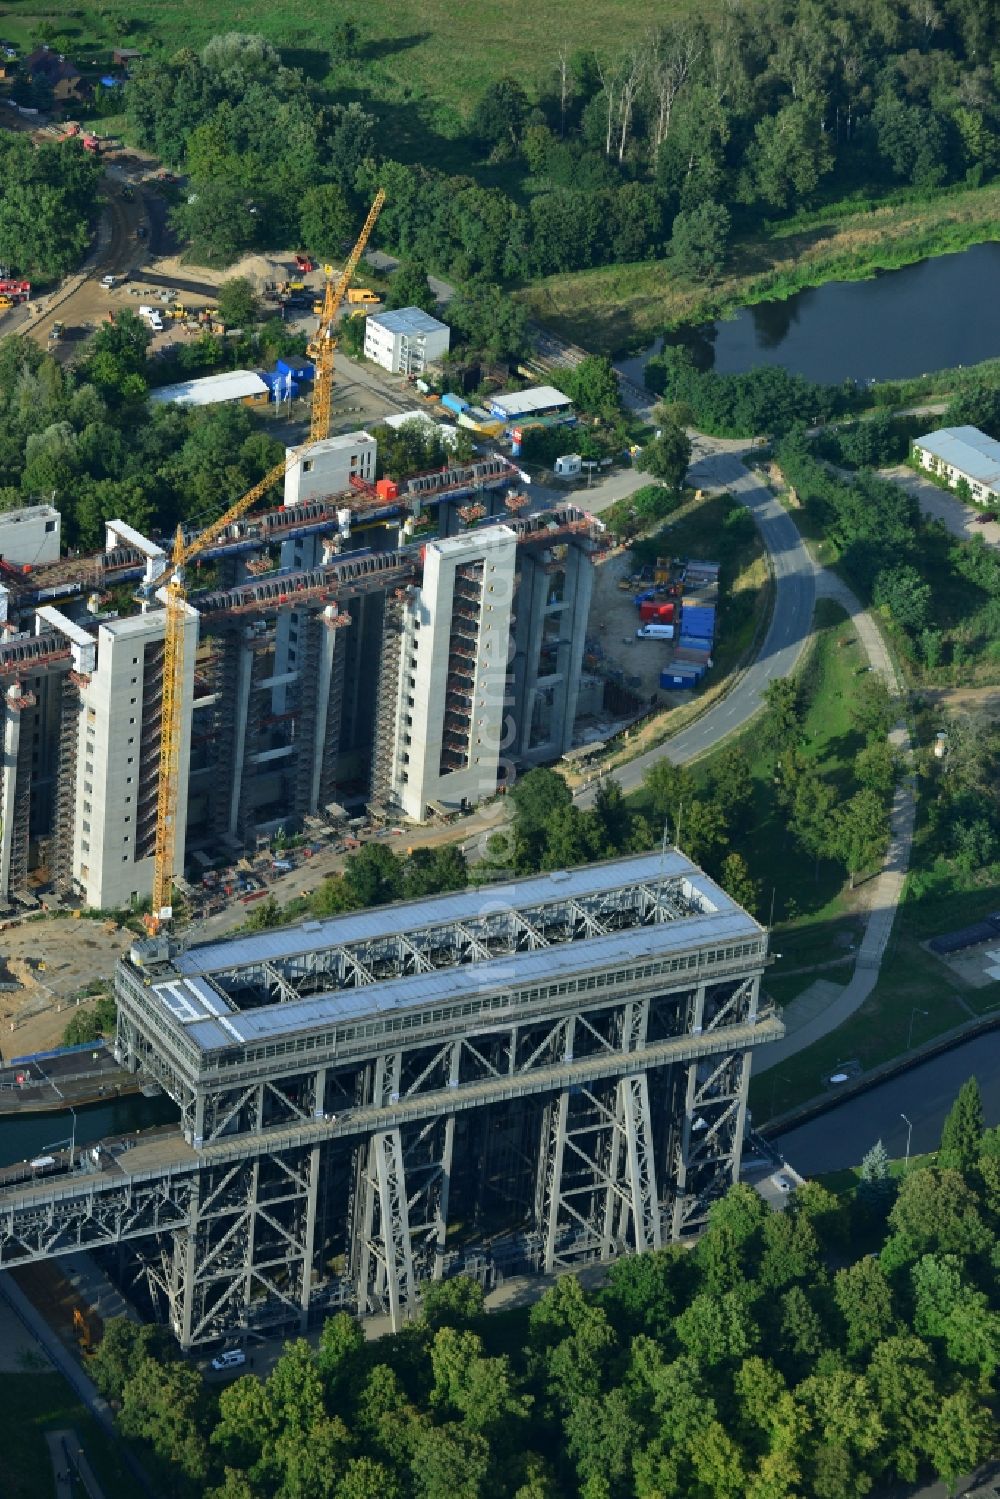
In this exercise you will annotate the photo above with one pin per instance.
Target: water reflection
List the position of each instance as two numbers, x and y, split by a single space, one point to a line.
936 315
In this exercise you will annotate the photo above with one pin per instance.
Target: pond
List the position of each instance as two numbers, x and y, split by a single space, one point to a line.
935 315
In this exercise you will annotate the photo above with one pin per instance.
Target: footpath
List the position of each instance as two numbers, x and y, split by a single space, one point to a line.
825 1006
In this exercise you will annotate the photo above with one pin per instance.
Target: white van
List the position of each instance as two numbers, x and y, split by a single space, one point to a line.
231 1359
655 632
152 316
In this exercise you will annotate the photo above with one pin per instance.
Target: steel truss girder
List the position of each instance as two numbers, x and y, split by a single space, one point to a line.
501 930
215 1273
596 1189
708 1152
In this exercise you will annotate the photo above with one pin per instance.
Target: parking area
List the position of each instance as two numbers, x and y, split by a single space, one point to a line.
965 521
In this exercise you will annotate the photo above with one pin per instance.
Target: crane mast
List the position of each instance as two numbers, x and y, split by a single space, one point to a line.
185 550
324 343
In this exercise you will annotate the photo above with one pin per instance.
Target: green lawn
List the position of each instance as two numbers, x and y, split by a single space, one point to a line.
30 1405
439 50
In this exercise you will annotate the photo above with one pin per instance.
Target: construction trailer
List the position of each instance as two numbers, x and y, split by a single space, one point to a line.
550 1077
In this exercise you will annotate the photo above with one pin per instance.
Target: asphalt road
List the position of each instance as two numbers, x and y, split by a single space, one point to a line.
789 629
840 1137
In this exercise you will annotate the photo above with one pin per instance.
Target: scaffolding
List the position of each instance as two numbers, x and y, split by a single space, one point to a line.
21 705
67 788
387 701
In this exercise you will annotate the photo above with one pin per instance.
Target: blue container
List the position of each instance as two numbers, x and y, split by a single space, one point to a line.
454 403
679 677
299 369
699 620
694 643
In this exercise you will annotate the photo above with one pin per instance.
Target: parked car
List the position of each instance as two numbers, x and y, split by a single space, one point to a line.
233 1358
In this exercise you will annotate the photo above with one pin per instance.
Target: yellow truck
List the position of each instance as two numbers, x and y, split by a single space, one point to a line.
362 295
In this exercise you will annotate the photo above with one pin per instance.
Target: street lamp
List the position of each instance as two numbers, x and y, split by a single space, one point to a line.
909 1036
909 1137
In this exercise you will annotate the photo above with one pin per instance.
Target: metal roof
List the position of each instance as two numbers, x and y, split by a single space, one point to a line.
231 386
313 936
538 398
408 320
975 455
208 1022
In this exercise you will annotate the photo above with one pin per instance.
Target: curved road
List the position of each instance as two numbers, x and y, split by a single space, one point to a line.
791 620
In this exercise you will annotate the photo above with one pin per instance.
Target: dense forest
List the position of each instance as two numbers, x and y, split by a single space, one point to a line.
48 205
804 1354
86 440
666 143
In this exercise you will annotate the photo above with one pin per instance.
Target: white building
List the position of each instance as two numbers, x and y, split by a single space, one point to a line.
453 685
954 453
30 536
406 341
118 756
326 467
213 390
537 400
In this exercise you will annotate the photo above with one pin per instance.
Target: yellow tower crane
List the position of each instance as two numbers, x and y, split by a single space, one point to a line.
322 347
185 550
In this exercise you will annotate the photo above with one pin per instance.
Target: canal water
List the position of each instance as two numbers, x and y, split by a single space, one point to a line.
24 1136
935 315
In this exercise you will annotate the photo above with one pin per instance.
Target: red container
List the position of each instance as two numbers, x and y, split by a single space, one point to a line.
653 613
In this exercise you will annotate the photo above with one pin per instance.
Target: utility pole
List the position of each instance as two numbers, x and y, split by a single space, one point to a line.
909 1137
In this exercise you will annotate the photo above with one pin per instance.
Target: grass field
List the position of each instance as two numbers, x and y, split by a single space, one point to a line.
619 307
441 50
30 1405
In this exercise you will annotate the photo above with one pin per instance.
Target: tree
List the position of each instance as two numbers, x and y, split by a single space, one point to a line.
454 1302
875 767
962 1132
717 1329
500 114
489 320
325 220
937 1211
124 1347
238 304
861 832
783 719
668 455
165 1406
409 287
373 877
961 1435
364 1478
876 1187
864 1300
790 153
872 709
536 796
699 239
217 218
737 881
592 386
901 592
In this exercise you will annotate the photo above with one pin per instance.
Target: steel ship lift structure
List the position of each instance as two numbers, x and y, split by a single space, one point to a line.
526 1077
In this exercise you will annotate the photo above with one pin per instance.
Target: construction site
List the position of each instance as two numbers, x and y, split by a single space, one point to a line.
391 646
